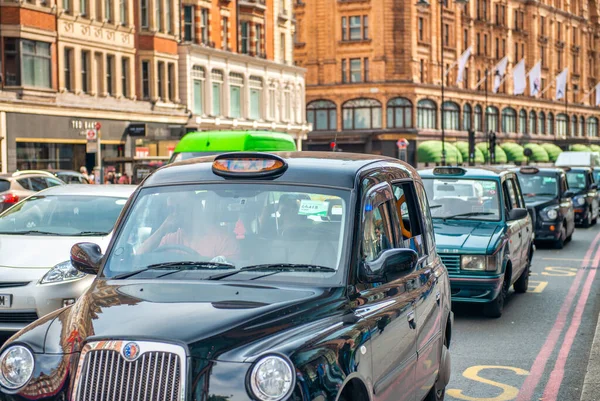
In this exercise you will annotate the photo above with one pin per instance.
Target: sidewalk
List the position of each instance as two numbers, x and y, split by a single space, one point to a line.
591 382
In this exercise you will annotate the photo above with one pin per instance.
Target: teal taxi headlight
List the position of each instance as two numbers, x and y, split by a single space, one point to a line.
16 367
473 262
272 378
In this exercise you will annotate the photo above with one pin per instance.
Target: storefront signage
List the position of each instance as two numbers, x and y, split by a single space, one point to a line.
136 129
80 125
142 152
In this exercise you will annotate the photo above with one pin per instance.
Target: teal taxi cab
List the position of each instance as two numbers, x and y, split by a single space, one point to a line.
483 231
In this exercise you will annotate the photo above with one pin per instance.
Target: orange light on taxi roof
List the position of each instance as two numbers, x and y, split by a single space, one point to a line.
247 165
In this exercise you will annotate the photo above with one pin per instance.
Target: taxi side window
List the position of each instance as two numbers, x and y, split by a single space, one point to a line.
377 233
518 193
510 195
409 215
427 221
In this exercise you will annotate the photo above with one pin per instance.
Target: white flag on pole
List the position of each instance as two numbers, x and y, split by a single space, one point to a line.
598 94
462 63
519 78
535 79
499 72
561 83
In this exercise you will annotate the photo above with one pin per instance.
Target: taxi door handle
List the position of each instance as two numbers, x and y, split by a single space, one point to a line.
437 298
520 234
411 320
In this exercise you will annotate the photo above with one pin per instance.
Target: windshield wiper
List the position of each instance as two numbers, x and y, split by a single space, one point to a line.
178 266
434 206
30 232
276 267
92 233
467 215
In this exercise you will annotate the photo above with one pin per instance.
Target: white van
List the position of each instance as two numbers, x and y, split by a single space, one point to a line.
578 159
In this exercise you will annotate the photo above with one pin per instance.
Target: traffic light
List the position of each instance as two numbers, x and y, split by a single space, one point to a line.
492 145
471 148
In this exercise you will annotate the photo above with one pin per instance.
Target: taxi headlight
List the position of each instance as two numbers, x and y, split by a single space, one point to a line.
64 271
579 200
271 378
473 262
550 213
16 367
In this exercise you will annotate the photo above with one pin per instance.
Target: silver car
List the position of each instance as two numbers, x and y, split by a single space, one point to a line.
36 236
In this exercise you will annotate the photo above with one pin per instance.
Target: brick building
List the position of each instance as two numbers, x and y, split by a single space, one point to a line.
373 70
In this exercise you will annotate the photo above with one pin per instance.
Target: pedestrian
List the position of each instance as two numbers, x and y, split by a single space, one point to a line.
109 178
124 179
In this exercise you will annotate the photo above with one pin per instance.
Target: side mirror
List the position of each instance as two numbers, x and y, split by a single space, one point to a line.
86 257
390 265
517 214
569 193
594 186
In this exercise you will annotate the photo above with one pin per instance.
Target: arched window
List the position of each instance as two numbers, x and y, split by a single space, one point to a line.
573 131
522 121
581 130
492 118
451 116
509 120
362 114
541 123
532 121
562 124
399 113
322 114
478 118
592 127
426 114
551 124
467 117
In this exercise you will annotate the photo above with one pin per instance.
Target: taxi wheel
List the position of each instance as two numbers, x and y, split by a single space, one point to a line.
560 243
522 283
588 219
438 391
494 309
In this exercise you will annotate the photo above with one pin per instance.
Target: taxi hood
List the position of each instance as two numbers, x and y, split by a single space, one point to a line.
214 319
466 235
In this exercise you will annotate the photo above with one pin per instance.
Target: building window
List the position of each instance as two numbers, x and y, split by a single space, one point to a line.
509 120
160 79
492 119
355 70
245 37
217 89
543 26
68 54
198 79
108 10
259 40
426 114
171 81
451 116
188 23
361 114
204 27
466 39
236 82
581 131
551 124
592 127
123 12
446 35
478 119
66 5
522 121
355 28
256 87
85 71
422 70
365 27
573 131
344 28
158 14
282 47
562 122
366 68
420 28
110 64
541 123
125 77
83 7
225 33
322 114
467 116
287 104
145 79
399 113
344 71
28 63
532 121
144 14
168 18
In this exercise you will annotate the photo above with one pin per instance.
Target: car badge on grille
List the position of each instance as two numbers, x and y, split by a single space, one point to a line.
131 351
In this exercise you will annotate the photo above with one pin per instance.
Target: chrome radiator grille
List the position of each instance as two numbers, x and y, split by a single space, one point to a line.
108 372
452 262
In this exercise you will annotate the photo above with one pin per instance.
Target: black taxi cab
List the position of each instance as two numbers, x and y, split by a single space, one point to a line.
287 276
585 199
548 197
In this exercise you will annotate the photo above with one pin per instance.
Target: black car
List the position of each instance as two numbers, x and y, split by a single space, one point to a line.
549 199
585 200
292 276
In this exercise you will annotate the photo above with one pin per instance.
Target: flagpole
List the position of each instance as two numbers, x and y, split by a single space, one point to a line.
485 116
567 110
441 44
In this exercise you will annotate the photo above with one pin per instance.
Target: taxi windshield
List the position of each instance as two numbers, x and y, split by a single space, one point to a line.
233 226
576 180
463 198
538 185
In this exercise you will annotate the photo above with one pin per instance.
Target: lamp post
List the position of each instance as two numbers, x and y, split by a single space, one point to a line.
423 5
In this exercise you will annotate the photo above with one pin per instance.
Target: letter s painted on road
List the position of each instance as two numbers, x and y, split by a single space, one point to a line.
508 392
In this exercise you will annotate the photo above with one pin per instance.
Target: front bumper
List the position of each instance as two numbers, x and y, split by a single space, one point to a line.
581 215
475 289
548 231
35 300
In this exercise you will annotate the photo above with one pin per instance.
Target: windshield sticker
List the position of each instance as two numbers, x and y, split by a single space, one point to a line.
313 208
121 202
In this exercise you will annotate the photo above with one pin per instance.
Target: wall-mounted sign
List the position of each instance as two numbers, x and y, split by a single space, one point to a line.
136 129
142 152
80 125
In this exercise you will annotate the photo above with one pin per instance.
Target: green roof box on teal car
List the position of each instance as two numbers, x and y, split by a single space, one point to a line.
198 144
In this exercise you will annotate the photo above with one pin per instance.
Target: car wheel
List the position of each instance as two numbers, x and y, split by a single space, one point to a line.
494 309
588 220
522 283
438 391
560 242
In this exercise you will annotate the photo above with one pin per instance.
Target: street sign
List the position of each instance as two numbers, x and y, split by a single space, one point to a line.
402 143
171 149
91 135
98 126
91 147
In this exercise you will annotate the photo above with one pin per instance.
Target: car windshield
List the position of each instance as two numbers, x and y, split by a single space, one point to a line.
68 215
463 198
596 175
576 180
177 157
232 226
538 185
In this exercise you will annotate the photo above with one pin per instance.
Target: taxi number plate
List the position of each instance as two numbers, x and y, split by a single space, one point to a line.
5 301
